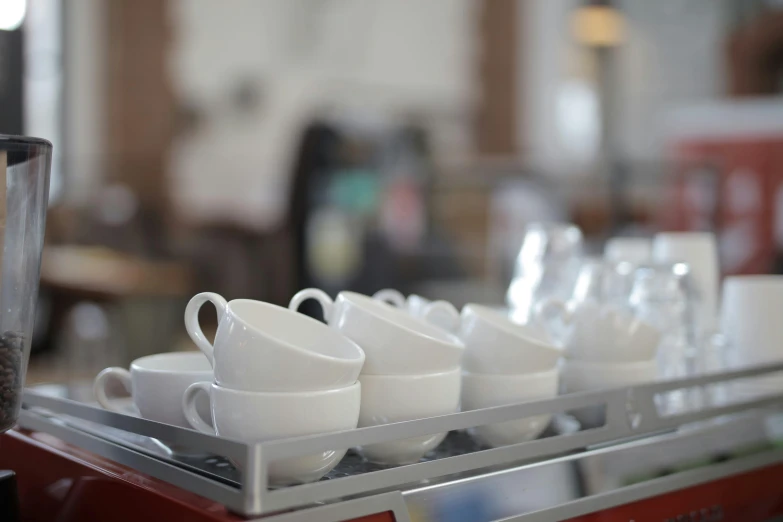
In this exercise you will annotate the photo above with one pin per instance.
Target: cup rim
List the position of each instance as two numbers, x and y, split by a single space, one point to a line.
411 377
508 326
378 310
351 388
510 377
140 364
754 280
689 235
337 336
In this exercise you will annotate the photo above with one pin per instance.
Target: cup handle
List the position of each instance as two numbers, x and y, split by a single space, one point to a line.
194 328
391 296
440 309
327 305
189 406
99 387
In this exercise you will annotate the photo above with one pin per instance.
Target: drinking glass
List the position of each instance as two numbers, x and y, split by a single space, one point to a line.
663 296
597 315
546 267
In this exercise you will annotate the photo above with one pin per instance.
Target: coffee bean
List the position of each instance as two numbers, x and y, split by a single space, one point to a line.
11 352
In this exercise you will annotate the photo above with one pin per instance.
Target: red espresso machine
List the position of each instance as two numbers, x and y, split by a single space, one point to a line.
729 178
75 462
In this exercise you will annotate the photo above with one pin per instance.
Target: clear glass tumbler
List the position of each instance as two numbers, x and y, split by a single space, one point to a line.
24 193
663 295
546 267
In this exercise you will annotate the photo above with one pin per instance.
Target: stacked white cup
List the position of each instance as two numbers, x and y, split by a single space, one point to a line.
155 384
605 347
700 252
412 370
751 320
505 363
277 374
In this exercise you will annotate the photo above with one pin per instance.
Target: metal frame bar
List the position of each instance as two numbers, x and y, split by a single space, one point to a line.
349 510
226 495
651 488
254 498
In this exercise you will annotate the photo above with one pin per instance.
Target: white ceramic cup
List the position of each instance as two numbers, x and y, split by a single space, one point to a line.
440 313
397 398
603 333
587 375
395 343
752 318
489 390
262 416
580 376
495 344
156 384
700 252
263 347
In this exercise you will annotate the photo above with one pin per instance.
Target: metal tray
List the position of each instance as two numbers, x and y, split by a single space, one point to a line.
631 413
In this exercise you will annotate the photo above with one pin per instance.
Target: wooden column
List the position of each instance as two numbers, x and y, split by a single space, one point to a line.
140 101
755 57
496 126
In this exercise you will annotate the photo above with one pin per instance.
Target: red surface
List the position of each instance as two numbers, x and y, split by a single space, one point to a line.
744 165
756 496
60 482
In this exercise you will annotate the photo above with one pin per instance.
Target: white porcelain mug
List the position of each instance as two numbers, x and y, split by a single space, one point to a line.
490 390
395 343
495 344
156 384
263 347
579 376
699 251
440 313
752 318
262 416
397 398
603 333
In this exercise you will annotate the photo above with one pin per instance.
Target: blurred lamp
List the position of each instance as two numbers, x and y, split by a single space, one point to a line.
12 14
597 24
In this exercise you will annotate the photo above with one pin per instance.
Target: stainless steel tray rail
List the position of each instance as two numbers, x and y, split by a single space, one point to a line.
630 412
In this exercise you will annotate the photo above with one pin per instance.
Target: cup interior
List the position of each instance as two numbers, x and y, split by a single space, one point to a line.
398 317
188 362
294 329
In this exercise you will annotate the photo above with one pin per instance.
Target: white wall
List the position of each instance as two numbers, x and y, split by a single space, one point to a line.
85 91
43 81
672 55
390 57
544 48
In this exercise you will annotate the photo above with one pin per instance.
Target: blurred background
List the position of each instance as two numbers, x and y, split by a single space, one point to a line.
254 148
